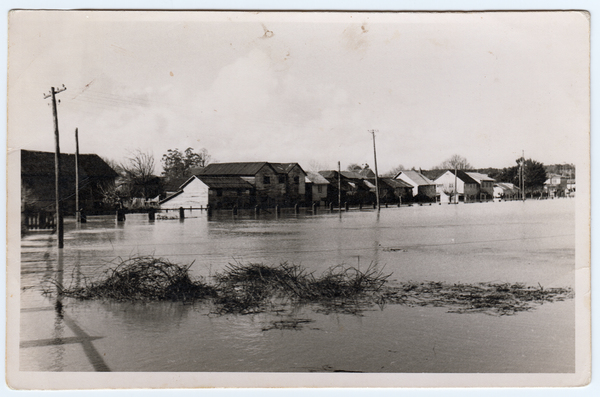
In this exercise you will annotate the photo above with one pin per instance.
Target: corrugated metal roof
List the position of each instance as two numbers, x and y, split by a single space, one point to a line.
353 175
229 182
283 168
395 183
433 174
479 177
463 176
233 169
317 179
34 163
329 174
418 178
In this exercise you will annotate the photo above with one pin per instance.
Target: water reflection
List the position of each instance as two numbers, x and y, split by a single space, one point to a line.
59 327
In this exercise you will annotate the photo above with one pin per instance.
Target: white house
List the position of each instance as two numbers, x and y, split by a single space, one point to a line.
219 192
505 190
422 186
465 187
193 193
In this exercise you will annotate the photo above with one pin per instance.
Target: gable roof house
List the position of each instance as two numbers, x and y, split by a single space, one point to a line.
218 192
316 188
271 183
423 187
505 190
355 188
556 185
486 185
448 184
38 181
396 190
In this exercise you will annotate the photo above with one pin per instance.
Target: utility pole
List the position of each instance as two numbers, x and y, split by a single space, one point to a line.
339 187
456 185
523 173
376 173
59 218
77 213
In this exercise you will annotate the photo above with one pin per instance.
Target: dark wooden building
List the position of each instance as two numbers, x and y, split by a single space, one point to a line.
273 184
38 181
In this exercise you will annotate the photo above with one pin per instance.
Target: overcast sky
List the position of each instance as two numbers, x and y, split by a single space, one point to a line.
304 87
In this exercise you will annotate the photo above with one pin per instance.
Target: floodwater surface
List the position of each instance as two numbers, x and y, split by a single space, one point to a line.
530 242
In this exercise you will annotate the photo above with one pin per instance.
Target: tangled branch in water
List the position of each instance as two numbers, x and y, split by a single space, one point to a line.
254 288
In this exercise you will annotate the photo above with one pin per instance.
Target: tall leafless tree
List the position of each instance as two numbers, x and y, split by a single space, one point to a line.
138 173
454 162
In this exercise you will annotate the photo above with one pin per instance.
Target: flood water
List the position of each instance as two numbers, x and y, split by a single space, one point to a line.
532 242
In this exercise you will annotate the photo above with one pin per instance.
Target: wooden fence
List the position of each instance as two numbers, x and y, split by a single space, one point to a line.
38 220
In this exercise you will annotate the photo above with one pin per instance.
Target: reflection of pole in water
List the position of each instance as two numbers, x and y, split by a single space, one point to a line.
78 270
59 326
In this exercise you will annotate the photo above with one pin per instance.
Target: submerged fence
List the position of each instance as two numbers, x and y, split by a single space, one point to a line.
41 220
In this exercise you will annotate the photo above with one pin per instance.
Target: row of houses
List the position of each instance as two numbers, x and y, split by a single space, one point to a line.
265 184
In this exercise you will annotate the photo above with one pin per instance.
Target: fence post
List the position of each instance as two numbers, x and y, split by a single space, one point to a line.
181 213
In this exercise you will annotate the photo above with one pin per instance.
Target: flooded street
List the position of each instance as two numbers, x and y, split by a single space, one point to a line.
530 242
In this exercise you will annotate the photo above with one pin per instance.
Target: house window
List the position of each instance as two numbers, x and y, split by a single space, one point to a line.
219 192
281 178
266 180
320 188
297 180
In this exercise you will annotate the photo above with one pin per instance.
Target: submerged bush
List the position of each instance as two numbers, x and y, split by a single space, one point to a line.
255 287
143 278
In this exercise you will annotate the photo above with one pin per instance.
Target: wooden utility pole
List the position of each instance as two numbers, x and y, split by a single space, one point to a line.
376 173
339 187
59 218
523 174
456 185
77 213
